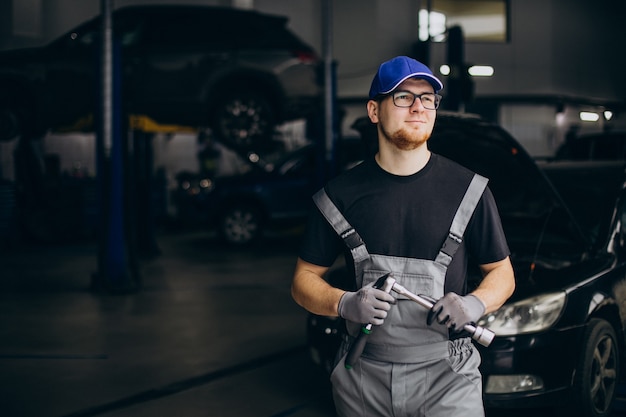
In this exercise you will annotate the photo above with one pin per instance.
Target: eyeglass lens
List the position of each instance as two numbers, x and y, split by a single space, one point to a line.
430 101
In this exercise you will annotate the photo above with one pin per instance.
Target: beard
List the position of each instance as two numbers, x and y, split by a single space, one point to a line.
406 140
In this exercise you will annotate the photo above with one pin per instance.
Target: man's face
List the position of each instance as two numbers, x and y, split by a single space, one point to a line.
406 128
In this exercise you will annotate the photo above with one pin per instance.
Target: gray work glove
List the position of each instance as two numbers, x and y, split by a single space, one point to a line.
456 311
367 305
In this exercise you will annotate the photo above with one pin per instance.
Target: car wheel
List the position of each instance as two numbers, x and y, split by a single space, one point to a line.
597 372
241 225
243 118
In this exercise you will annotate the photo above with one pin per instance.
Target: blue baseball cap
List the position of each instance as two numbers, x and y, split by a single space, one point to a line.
393 72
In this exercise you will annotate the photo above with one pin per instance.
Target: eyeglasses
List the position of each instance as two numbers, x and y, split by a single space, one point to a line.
430 101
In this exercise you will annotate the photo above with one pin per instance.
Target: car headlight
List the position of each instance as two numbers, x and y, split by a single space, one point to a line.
206 185
506 384
527 316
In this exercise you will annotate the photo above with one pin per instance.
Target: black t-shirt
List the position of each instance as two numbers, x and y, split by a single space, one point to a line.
408 216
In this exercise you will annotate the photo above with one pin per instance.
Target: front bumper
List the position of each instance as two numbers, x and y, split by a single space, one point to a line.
549 357
530 370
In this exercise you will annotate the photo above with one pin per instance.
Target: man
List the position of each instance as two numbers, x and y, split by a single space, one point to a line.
418 216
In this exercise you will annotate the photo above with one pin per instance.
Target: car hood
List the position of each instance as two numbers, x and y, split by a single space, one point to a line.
545 275
517 182
545 237
541 229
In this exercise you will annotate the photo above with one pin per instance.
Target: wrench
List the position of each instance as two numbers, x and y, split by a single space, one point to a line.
480 334
387 283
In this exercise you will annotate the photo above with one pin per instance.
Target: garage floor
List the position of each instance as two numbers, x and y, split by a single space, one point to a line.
212 331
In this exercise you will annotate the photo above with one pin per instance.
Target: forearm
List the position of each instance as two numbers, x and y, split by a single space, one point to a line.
497 285
312 292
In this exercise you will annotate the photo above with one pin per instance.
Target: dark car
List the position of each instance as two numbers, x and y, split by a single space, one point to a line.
238 72
594 147
274 193
560 338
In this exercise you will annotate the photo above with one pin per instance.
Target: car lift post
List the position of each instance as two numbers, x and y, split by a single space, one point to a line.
117 271
142 131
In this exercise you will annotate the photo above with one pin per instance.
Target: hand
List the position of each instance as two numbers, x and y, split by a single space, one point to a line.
456 311
367 305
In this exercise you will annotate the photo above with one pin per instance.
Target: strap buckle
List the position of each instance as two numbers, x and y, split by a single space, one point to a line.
451 244
351 238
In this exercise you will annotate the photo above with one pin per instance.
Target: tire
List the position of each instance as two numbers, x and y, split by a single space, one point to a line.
241 225
597 372
242 118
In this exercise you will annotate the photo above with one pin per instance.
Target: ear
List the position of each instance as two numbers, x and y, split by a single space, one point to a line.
372 110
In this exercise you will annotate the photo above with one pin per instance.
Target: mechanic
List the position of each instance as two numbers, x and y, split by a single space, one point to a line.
419 216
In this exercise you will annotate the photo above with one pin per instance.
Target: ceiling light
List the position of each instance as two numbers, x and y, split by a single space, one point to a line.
480 71
587 116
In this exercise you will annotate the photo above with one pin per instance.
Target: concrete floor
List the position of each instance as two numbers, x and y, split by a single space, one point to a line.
212 332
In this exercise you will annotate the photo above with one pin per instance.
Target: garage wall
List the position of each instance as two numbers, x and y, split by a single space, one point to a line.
567 47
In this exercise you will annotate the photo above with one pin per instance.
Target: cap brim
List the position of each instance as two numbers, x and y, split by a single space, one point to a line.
437 85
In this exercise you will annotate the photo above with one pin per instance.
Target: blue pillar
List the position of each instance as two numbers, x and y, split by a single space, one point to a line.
117 272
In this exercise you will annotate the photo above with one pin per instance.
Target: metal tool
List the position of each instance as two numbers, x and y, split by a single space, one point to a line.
387 283
383 283
480 334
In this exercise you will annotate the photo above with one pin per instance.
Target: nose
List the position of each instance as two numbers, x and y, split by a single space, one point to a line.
417 105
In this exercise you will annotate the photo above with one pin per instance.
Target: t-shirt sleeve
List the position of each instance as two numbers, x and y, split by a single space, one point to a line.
320 244
485 236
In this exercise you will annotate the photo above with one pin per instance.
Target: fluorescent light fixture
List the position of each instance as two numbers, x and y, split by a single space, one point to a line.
608 115
432 26
480 71
474 70
587 116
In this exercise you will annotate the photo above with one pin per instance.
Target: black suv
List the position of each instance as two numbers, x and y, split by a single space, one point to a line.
237 72
560 339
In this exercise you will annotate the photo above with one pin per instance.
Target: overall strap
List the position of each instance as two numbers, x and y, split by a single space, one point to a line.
461 219
339 223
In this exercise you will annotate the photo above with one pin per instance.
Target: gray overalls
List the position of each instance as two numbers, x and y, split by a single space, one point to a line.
407 368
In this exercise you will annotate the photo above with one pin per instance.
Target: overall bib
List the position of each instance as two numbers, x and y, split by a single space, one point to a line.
407 368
